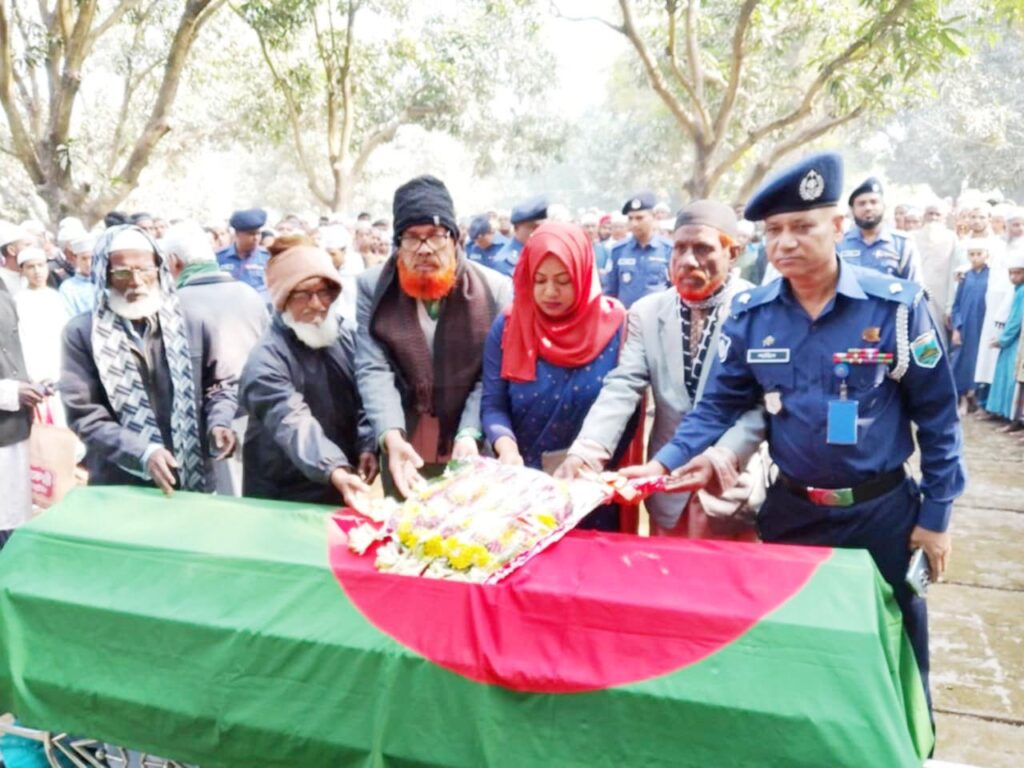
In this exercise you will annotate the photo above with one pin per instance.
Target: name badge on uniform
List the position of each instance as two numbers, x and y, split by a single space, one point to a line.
627 261
767 355
848 253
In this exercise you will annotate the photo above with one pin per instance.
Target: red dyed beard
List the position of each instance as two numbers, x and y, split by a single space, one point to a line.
687 293
429 286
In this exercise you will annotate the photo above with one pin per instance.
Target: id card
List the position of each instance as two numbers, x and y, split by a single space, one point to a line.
842 422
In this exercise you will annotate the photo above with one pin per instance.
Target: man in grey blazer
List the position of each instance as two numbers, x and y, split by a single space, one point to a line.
669 335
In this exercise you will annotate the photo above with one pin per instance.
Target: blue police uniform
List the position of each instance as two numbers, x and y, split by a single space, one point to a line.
839 431
890 253
506 259
249 270
488 257
636 270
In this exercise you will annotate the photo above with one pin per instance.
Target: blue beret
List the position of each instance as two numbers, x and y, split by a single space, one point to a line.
480 225
534 209
641 201
249 220
815 181
869 185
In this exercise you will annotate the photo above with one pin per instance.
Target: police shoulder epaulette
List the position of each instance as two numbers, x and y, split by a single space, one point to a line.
753 297
883 286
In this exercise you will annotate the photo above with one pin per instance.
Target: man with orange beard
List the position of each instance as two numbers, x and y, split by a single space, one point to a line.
423 318
667 348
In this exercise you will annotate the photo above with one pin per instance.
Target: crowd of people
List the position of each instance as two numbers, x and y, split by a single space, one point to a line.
298 360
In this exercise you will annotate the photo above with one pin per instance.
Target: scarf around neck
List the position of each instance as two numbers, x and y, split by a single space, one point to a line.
119 371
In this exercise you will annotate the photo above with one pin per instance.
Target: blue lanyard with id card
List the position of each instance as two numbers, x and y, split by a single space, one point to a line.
842 413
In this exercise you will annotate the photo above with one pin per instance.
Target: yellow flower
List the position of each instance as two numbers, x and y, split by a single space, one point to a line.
545 519
433 547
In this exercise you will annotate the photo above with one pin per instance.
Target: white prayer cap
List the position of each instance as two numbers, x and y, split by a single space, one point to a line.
619 218
69 229
34 226
1015 213
31 254
976 244
11 233
130 240
83 244
334 237
589 219
1002 210
745 227
1015 258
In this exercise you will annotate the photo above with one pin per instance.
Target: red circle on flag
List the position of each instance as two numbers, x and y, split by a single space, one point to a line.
595 610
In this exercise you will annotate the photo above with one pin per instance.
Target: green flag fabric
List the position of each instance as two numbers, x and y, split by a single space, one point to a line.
214 631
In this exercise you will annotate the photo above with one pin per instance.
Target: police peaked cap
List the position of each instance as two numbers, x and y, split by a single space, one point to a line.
480 225
532 209
815 181
870 185
641 201
249 220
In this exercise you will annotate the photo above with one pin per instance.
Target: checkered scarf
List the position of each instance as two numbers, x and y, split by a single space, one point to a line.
119 372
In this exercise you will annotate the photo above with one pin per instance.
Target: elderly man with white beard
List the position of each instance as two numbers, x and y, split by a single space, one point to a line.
308 438
141 385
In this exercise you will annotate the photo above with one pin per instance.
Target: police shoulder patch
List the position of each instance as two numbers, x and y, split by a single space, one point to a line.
724 342
926 350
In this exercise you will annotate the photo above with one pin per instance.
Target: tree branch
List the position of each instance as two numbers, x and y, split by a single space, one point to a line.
113 18
654 75
23 146
735 69
557 13
806 105
687 84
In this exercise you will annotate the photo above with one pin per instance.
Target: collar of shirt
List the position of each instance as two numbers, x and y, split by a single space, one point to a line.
884 236
847 285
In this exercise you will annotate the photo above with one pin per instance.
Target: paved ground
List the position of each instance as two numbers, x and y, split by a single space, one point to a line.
977 616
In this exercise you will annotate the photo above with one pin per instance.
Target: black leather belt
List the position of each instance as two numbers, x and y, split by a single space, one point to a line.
845 497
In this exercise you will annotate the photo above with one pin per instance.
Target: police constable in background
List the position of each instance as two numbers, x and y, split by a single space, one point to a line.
484 242
526 217
639 265
870 243
844 359
245 259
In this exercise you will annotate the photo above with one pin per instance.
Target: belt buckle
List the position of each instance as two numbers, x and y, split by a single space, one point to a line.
831 497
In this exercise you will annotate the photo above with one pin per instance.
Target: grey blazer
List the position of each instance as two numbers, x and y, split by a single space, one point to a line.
653 356
378 385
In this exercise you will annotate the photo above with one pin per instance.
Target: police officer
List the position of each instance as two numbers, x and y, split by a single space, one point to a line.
870 243
639 265
843 359
245 259
484 243
526 217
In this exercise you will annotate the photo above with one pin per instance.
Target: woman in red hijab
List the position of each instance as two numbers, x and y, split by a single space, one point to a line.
547 355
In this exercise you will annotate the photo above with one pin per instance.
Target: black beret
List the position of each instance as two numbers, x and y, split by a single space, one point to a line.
869 185
709 213
815 181
641 201
115 219
423 200
533 209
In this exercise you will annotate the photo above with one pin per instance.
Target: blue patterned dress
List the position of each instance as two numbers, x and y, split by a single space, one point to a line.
546 414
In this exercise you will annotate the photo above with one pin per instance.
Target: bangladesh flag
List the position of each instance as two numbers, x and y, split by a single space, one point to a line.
236 632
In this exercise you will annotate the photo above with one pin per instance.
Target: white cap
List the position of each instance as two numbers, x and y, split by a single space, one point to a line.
1015 258
130 240
976 244
83 244
34 226
69 229
31 254
11 233
334 237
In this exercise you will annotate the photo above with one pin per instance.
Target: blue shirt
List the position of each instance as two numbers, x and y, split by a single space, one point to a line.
772 351
488 257
506 259
79 294
545 414
248 270
637 270
892 254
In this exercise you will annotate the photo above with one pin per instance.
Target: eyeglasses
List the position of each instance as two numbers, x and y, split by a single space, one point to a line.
412 243
127 273
326 296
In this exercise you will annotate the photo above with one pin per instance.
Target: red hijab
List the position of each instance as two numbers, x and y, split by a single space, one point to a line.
577 337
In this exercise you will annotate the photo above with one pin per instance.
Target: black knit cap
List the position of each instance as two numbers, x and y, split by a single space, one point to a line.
423 200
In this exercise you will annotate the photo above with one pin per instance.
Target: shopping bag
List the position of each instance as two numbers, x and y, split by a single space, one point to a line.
51 459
